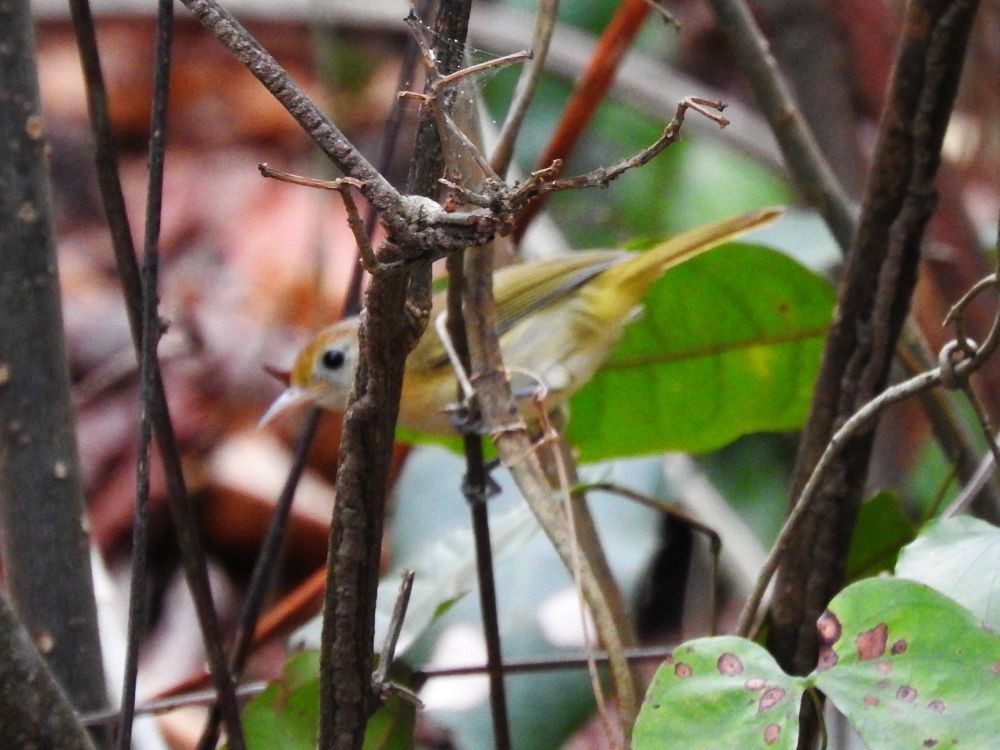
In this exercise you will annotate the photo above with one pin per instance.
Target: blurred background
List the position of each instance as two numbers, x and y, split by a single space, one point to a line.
250 267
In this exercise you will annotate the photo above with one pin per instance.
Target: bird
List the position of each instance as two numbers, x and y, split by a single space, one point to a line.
558 320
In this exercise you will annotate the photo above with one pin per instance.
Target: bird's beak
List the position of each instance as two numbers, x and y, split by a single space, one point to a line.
290 397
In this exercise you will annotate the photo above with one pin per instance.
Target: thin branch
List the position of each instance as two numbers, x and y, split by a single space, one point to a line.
513 666
263 570
804 506
151 330
192 554
806 164
545 24
602 176
388 653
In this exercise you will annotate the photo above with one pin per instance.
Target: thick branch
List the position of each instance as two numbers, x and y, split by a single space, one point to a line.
45 546
875 297
395 312
35 711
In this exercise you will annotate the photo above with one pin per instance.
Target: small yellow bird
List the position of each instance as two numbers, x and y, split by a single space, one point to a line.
558 319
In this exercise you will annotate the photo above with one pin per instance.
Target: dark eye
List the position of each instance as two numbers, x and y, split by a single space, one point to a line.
333 359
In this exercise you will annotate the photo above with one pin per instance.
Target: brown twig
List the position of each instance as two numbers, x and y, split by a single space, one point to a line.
380 680
151 330
604 175
192 554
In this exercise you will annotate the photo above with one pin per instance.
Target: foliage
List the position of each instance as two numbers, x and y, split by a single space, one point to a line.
907 665
728 344
286 714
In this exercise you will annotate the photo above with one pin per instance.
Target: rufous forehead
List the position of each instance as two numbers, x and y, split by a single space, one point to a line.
302 370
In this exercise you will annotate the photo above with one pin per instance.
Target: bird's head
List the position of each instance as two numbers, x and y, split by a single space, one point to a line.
322 373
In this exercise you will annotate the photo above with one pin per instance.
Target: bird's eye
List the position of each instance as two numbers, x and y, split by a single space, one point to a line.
333 359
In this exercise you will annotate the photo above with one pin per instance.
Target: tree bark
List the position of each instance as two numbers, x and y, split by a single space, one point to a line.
34 710
44 541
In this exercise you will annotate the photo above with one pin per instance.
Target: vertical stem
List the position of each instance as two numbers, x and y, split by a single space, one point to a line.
475 487
147 362
875 297
181 510
44 540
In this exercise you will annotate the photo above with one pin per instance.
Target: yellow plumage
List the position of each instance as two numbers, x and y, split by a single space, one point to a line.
558 319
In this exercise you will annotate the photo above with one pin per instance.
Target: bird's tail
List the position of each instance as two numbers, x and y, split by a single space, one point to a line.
632 278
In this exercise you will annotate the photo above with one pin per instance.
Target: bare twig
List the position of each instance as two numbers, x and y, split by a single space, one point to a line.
151 330
512 666
267 170
803 506
192 554
545 23
263 569
388 653
601 177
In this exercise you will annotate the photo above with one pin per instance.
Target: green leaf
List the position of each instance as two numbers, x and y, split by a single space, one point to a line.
909 667
719 692
882 529
960 557
286 714
729 343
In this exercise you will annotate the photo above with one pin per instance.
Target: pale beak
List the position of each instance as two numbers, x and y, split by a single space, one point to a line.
290 397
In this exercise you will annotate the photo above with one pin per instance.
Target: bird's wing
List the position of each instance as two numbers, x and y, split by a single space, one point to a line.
520 290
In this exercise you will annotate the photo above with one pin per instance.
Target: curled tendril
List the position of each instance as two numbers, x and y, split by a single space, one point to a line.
952 355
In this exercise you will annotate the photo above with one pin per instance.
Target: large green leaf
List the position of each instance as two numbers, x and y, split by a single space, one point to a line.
719 693
729 343
960 557
909 667
906 665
